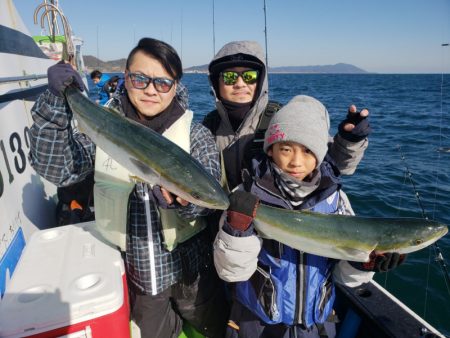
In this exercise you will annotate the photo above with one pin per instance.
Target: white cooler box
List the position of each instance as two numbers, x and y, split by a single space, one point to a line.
67 283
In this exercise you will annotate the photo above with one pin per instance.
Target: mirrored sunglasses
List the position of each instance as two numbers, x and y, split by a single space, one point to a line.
248 76
161 84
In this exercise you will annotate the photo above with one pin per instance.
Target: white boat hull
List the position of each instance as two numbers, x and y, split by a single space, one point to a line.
27 202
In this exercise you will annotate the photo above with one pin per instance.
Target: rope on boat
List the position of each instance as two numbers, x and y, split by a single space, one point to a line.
439 257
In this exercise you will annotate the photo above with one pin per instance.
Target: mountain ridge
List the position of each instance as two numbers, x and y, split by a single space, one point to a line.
113 66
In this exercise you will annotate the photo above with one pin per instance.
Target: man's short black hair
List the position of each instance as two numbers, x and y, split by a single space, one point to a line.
96 73
162 52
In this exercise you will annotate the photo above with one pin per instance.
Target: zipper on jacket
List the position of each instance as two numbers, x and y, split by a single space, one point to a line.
151 251
280 250
325 291
301 290
273 305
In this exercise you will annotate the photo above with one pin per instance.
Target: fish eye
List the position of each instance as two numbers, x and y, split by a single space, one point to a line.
419 241
196 195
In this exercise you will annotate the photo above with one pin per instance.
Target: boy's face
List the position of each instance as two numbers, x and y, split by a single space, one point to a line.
293 158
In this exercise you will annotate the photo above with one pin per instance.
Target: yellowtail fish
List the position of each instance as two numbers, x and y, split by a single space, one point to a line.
350 238
146 154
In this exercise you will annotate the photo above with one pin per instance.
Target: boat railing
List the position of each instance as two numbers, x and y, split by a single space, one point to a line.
33 77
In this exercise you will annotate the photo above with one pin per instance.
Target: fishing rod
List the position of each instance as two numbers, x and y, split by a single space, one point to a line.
439 257
265 36
214 30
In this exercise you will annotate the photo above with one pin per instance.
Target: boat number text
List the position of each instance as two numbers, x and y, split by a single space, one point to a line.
17 147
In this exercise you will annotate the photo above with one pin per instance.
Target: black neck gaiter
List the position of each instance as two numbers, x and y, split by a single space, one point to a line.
236 112
159 123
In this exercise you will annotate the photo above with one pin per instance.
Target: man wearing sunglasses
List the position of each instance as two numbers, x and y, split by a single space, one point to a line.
239 82
164 239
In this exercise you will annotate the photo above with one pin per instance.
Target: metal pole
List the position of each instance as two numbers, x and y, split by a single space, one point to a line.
265 35
97 48
181 49
55 20
214 33
50 33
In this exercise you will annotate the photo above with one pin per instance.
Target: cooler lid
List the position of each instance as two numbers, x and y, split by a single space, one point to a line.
66 275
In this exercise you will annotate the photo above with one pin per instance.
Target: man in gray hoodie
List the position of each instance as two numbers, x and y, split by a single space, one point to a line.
239 81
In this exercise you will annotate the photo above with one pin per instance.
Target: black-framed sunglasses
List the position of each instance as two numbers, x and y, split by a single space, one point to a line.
161 84
230 77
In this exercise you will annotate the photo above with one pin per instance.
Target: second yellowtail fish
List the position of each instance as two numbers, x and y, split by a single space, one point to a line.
350 238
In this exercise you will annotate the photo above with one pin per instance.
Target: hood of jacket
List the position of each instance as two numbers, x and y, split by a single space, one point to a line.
233 143
247 53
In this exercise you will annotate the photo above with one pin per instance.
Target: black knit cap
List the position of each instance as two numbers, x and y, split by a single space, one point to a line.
235 60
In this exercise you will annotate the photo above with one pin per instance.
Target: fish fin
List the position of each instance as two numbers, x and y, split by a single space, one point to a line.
136 179
149 175
112 110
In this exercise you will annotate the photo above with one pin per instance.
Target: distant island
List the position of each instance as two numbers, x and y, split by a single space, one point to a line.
339 68
115 66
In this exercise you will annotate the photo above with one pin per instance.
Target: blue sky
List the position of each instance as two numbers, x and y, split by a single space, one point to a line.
383 36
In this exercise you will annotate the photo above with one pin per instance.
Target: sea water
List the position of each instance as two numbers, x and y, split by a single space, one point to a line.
410 117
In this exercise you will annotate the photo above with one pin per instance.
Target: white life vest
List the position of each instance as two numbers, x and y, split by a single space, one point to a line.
114 183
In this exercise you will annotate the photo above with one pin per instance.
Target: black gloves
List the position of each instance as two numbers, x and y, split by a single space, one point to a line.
62 75
360 132
381 262
242 210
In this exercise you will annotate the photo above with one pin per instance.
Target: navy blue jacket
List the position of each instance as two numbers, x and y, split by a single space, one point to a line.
289 286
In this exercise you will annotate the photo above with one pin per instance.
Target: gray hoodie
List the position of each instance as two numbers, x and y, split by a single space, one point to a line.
231 143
